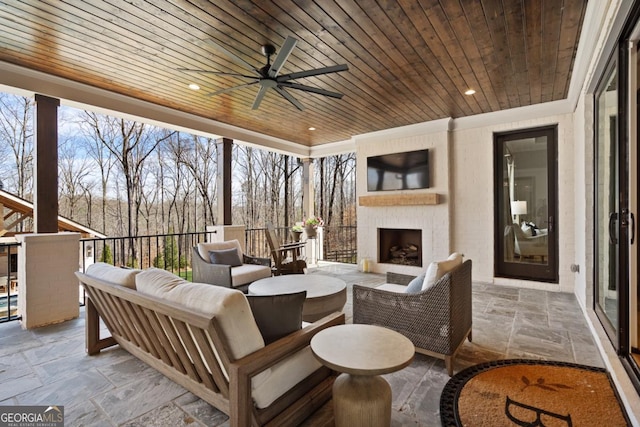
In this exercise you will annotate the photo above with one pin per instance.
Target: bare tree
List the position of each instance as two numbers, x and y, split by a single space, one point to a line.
90 126
200 158
16 142
73 171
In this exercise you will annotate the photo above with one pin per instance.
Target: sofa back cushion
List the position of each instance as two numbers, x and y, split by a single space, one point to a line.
229 306
205 248
120 276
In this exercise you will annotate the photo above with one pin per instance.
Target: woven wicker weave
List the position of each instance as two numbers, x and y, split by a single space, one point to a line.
436 320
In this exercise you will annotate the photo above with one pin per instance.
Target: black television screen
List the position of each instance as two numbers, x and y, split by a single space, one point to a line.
398 171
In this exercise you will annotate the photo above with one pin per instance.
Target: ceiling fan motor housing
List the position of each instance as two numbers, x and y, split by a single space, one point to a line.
268 50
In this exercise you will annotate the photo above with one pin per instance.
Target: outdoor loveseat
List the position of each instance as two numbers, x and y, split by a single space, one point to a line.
437 320
206 339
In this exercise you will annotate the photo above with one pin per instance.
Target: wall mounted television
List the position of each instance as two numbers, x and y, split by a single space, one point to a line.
398 171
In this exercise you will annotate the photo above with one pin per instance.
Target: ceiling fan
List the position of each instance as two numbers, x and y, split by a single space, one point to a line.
269 77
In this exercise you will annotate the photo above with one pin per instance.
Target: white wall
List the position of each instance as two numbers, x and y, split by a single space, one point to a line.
472 185
433 220
462 175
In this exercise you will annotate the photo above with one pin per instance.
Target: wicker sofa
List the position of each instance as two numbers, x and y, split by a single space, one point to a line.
205 338
436 320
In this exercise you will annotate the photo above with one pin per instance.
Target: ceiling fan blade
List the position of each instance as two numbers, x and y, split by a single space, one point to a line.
229 89
311 89
259 96
283 55
233 56
316 72
286 95
219 73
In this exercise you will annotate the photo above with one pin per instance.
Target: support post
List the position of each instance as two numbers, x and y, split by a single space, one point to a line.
45 200
307 188
49 291
224 181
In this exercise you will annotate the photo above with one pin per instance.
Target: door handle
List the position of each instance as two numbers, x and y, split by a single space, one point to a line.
633 227
550 224
613 216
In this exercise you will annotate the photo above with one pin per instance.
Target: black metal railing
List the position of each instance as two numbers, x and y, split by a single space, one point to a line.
9 282
334 243
340 244
170 252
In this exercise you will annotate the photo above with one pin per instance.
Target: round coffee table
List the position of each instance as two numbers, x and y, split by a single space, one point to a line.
325 294
362 352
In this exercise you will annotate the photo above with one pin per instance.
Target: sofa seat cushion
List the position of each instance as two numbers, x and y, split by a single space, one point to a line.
284 375
248 273
392 287
120 276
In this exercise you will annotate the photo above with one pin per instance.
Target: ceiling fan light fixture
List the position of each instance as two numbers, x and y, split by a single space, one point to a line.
194 86
469 92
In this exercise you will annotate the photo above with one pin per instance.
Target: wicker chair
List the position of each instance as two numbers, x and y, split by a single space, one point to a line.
436 320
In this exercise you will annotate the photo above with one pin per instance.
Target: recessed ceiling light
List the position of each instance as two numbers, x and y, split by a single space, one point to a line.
312 128
469 92
194 86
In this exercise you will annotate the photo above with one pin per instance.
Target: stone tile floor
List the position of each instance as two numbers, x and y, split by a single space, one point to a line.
49 366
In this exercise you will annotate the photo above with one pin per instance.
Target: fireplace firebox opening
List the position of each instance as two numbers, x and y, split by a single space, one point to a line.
400 246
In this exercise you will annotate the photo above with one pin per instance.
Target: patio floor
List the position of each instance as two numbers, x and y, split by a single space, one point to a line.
48 366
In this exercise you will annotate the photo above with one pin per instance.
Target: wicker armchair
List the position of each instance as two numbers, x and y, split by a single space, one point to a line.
240 277
436 320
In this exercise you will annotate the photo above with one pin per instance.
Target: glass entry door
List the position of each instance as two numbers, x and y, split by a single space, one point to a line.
525 211
607 195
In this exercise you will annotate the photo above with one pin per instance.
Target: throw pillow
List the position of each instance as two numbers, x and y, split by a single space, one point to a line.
226 257
415 285
436 270
277 315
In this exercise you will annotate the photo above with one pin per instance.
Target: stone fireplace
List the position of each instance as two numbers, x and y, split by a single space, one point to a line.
400 246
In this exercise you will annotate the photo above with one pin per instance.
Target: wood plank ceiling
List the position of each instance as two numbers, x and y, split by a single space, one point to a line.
410 61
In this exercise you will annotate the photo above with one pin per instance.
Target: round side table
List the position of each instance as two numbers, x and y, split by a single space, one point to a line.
362 353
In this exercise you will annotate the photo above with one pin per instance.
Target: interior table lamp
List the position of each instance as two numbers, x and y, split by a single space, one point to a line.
519 207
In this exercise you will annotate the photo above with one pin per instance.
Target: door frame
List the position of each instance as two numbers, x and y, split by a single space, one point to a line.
540 273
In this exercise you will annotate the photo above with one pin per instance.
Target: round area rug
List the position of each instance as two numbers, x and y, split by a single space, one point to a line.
531 393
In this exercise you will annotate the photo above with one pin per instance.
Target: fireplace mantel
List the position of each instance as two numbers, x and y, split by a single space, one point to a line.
399 199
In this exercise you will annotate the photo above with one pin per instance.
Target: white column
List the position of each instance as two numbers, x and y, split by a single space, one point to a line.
47 286
308 207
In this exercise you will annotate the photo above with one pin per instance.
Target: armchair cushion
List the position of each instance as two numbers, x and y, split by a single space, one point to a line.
204 248
277 315
226 257
248 273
